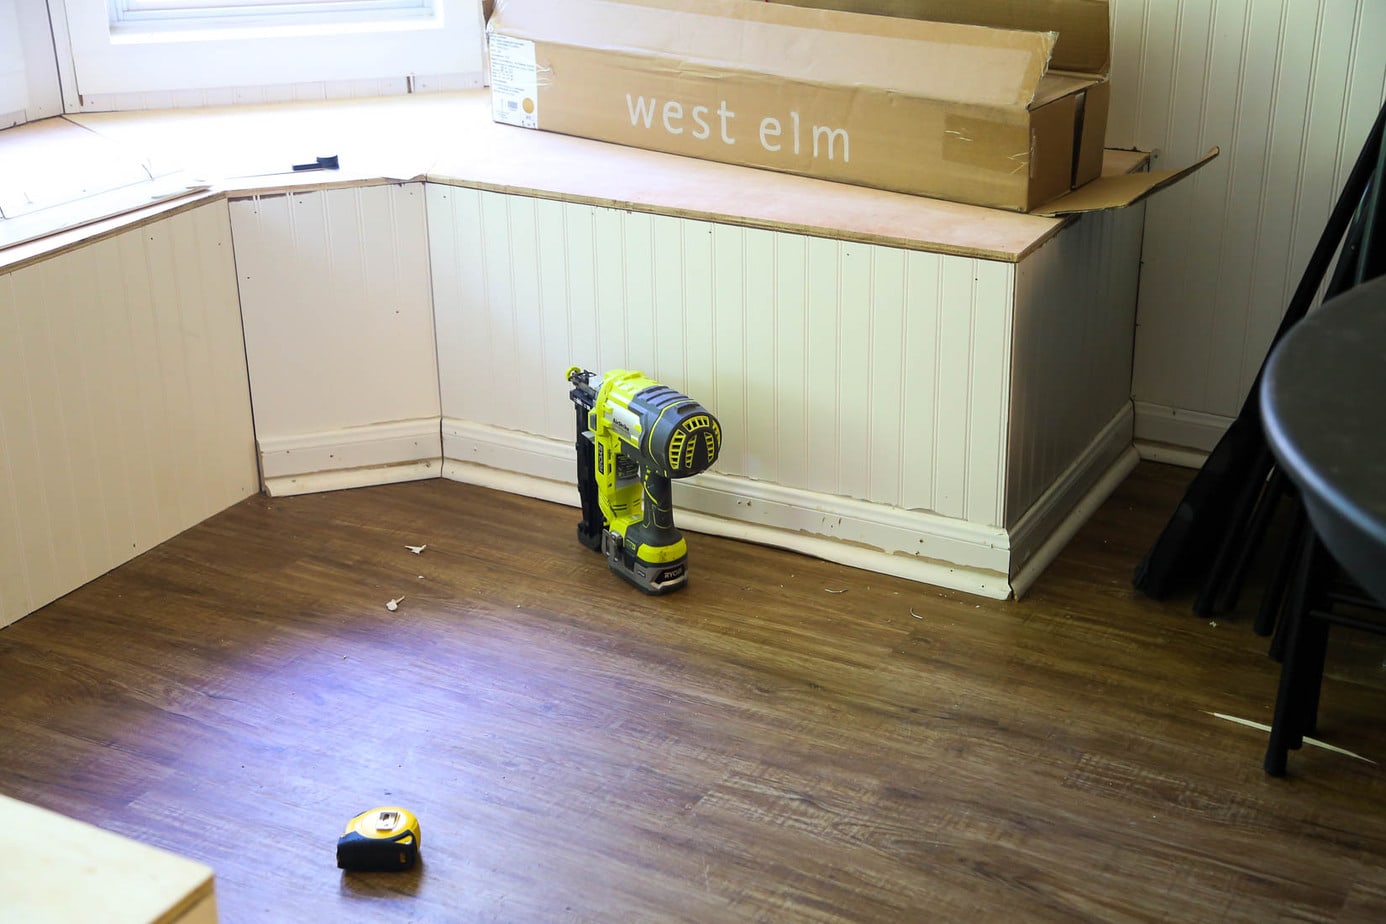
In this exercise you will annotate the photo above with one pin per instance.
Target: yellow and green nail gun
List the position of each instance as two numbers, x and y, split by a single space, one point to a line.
633 436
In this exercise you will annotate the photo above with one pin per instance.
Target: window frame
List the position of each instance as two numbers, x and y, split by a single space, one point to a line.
121 61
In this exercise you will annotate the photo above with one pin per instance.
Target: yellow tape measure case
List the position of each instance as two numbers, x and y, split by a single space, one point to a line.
381 839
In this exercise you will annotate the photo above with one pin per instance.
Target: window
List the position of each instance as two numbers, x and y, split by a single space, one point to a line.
133 17
169 46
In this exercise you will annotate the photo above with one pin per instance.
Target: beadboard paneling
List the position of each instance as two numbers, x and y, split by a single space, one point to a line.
124 404
839 368
334 288
1288 89
1074 312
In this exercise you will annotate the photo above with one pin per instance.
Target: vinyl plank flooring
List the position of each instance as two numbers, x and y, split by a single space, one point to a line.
784 740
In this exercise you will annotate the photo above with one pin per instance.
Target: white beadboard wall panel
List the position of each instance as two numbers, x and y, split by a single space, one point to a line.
637 295
839 368
39 506
730 308
1071 360
953 383
608 241
989 391
124 403
454 238
919 343
822 324
882 457
791 369
695 265
1365 88
670 359
335 292
760 451
852 410
1288 90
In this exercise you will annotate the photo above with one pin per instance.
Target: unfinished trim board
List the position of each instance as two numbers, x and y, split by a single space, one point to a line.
935 396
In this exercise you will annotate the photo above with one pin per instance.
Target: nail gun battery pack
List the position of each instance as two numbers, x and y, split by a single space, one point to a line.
379 840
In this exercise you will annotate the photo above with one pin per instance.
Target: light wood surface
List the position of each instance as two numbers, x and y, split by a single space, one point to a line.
63 871
479 153
451 138
783 740
53 161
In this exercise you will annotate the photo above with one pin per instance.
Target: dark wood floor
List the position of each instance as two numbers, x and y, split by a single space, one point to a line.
755 748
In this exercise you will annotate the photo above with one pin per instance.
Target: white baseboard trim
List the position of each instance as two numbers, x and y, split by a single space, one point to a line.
372 447
1171 455
510 450
1177 430
1043 530
341 479
912 544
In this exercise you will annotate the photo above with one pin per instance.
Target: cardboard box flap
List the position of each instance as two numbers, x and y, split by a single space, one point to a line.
1112 192
1083 26
1054 86
946 61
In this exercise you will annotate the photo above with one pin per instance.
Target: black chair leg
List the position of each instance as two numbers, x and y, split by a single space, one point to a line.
1315 642
1286 731
1306 649
1274 600
1263 512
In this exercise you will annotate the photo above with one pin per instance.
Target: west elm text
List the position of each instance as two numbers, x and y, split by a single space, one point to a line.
671 116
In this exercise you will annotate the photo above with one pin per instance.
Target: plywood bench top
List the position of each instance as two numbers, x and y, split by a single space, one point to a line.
450 138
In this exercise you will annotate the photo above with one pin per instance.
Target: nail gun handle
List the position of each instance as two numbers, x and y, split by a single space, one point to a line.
593 524
656 528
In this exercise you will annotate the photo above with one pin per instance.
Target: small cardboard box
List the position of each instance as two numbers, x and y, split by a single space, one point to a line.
971 113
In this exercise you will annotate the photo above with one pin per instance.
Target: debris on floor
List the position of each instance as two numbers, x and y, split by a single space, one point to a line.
1314 742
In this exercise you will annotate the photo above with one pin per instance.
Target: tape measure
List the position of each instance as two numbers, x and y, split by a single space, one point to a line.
384 838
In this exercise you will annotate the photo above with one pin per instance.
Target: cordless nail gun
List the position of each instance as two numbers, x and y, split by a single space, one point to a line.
633 436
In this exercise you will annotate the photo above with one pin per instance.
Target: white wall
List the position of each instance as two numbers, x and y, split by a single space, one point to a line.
1288 89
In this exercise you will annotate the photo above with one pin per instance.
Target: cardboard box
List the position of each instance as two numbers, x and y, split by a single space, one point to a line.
957 111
